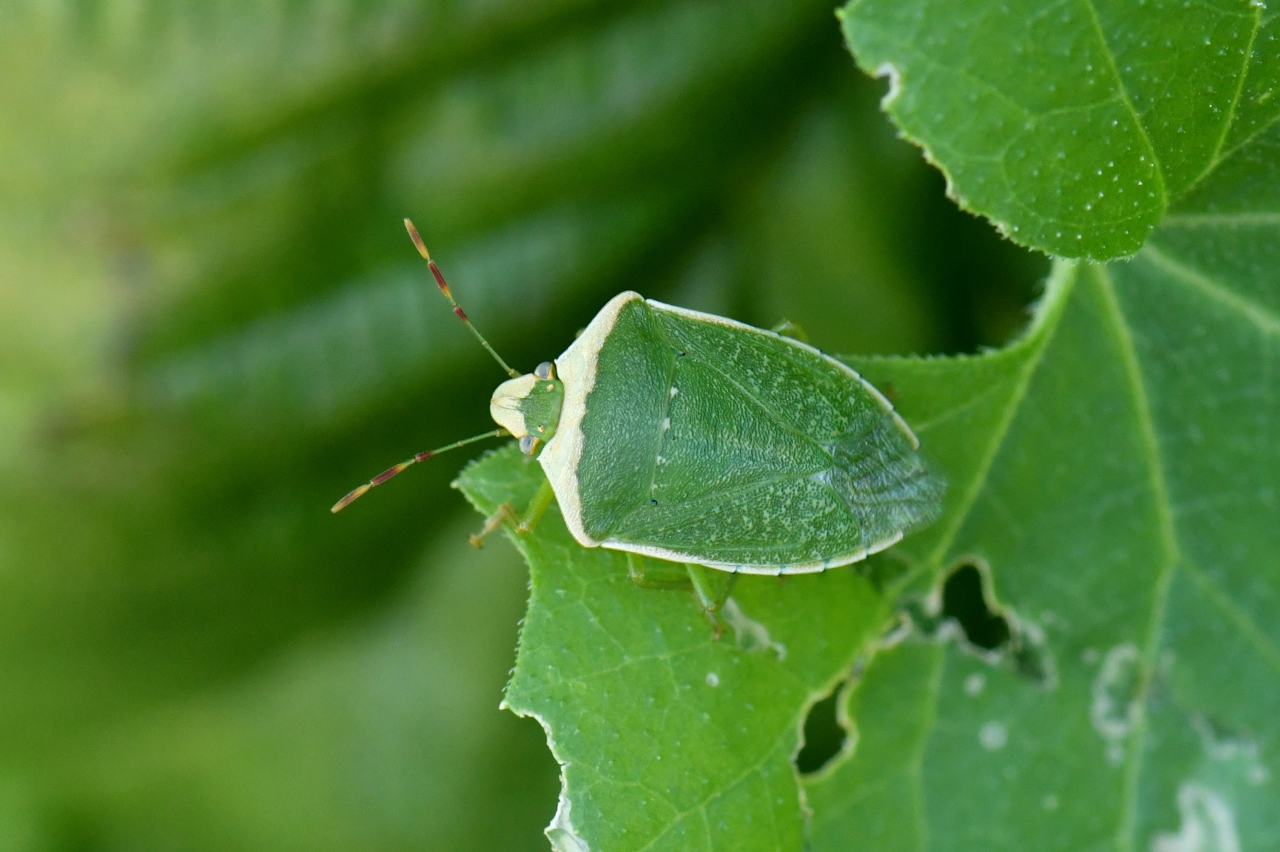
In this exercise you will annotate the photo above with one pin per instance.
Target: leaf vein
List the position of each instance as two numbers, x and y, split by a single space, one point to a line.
701 806
1242 619
1126 98
922 428
1059 288
1231 220
1168 540
1235 100
916 771
1260 316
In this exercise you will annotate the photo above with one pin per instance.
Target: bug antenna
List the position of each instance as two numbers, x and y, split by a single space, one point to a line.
420 457
448 294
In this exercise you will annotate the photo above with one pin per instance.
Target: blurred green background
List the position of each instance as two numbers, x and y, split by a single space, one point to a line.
212 325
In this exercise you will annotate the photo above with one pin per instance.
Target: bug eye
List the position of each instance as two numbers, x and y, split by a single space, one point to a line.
528 444
545 370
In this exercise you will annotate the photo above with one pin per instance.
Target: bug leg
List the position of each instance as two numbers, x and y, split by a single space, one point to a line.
663 576
537 507
506 513
502 513
787 328
712 589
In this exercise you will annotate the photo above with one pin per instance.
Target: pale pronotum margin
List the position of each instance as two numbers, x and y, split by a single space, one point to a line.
577 370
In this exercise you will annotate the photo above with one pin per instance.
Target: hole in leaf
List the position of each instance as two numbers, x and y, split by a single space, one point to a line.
996 635
824 736
963 600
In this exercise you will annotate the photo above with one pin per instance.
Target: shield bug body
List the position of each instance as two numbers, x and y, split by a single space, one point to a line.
692 438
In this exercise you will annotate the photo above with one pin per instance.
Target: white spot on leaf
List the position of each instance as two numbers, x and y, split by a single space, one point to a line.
713 679
1226 748
1114 708
993 736
974 683
1208 824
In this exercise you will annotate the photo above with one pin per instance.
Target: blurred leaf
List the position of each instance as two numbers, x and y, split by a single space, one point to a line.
1074 127
382 736
820 234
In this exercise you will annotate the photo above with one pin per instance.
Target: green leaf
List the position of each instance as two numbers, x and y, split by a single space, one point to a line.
1074 126
1122 515
1120 507
212 324
1114 475
668 737
393 724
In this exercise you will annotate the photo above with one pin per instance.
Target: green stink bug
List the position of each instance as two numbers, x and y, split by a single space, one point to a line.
692 438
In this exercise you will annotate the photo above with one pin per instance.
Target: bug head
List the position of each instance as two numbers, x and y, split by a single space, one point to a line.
529 406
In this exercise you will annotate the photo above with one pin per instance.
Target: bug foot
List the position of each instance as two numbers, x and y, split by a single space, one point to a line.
503 513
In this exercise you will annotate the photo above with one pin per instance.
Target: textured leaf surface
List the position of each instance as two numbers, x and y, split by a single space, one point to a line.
1074 126
1122 508
1114 478
1138 571
669 738
1123 514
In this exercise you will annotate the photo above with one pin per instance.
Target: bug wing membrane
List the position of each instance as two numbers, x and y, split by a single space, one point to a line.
882 480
